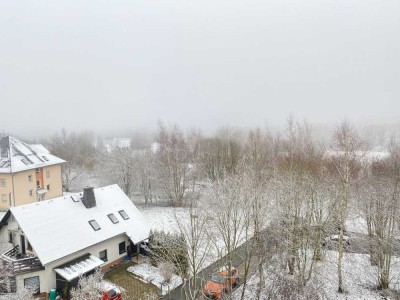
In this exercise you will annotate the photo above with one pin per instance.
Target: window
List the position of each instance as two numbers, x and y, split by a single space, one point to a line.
48 187
38 184
2 182
113 218
94 225
30 178
45 158
10 237
33 283
103 255
31 193
124 215
37 170
4 198
122 248
47 174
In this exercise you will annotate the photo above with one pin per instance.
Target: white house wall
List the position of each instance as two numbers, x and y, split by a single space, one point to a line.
48 276
42 277
111 245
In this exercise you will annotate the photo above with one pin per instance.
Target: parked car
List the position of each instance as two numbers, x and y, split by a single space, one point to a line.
110 294
221 282
331 242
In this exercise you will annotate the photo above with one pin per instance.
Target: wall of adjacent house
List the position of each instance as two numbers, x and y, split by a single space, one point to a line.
52 177
5 191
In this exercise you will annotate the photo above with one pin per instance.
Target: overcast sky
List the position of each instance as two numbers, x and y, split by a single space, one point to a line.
206 63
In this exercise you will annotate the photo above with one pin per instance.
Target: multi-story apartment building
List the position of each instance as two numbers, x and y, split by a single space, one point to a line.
28 173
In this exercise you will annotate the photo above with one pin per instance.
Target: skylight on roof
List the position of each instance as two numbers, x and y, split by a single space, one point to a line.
75 198
45 158
3 164
124 215
94 225
113 218
25 161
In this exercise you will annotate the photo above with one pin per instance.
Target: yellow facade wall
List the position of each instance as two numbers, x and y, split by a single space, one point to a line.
52 177
23 186
5 191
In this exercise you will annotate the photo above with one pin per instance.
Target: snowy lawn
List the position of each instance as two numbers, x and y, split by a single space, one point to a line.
359 278
163 218
152 275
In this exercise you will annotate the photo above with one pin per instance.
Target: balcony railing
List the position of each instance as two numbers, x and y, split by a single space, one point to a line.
21 263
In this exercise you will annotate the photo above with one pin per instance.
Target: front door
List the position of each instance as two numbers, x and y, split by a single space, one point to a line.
23 245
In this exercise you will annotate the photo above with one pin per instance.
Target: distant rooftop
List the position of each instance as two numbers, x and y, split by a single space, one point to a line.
17 156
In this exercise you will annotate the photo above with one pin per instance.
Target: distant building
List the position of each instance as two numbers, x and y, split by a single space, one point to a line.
117 143
28 173
71 237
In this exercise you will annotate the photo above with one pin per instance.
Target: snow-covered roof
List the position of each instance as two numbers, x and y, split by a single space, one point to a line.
79 267
59 227
16 156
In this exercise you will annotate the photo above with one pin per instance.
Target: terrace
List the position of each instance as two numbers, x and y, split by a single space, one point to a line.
21 263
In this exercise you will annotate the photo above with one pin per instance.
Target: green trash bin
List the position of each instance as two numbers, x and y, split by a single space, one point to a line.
53 294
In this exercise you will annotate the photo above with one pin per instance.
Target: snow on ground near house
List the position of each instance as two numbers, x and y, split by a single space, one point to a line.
150 274
358 275
165 219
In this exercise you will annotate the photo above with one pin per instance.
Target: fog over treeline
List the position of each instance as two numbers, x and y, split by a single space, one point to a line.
377 135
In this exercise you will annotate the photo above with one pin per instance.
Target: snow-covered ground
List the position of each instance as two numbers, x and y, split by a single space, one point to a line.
359 277
164 218
356 223
152 275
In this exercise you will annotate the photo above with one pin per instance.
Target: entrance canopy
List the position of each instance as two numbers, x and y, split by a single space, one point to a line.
78 267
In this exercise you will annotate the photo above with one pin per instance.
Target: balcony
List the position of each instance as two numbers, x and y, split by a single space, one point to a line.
21 263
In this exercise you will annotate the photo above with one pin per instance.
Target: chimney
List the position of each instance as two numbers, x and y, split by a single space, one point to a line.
89 200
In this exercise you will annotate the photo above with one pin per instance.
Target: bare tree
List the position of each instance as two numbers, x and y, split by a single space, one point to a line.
173 159
119 166
381 203
228 217
347 149
79 152
88 287
194 231
145 174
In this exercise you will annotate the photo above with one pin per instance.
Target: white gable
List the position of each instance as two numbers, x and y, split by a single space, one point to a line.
59 227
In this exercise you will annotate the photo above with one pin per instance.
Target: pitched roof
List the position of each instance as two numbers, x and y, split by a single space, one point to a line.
16 156
59 227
